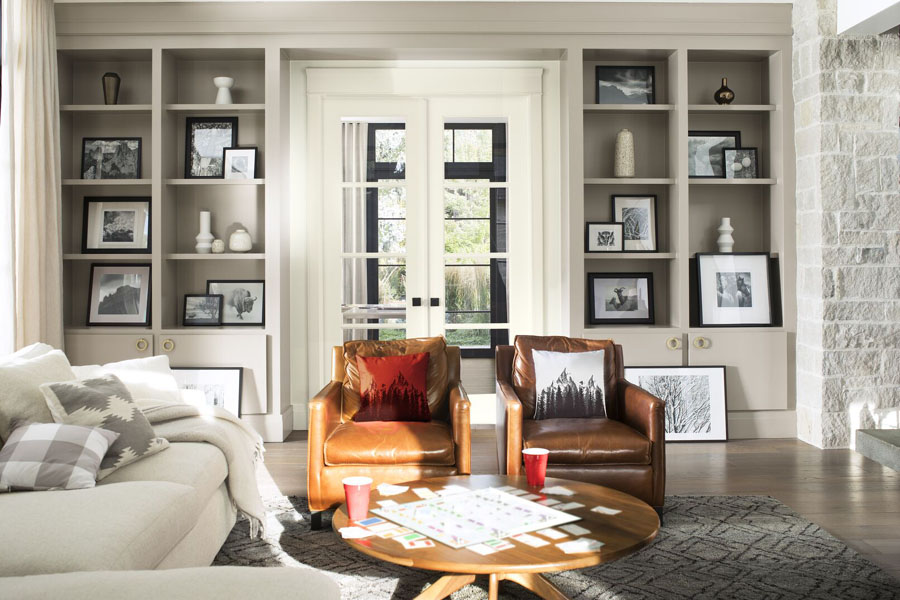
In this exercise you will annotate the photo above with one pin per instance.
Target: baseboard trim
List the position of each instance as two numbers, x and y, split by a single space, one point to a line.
762 424
272 428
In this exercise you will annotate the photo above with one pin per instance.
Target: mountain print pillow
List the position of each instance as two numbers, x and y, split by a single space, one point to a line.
392 388
568 385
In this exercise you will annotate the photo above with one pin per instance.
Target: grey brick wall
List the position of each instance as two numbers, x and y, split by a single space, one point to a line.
846 108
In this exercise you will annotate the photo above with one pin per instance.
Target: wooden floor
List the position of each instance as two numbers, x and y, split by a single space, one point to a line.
852 497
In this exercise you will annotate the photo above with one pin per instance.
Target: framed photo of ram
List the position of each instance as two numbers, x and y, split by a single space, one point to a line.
620 298
637 213
694 397
244 300
221 386
734 289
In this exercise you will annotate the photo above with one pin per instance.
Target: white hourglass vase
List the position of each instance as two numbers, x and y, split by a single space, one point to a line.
205 237
223 96
725 241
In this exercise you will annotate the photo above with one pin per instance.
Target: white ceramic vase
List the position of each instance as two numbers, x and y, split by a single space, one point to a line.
240 241
624 165
204 238
223 96
725 241
218 246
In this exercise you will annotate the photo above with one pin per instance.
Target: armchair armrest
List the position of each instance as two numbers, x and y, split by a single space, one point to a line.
642 411
460 423
324 417
509 429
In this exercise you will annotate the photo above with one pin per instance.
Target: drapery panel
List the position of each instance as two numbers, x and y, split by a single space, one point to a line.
30 178
355 148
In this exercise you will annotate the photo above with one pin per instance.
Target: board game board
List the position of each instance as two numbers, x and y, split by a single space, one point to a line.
473 517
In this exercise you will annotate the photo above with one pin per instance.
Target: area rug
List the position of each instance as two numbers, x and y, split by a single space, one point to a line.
735 547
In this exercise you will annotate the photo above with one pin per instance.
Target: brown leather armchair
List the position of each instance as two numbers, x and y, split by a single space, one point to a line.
386 451
625 451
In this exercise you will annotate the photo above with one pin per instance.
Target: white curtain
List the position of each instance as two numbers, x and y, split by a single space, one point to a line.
30 181
354 270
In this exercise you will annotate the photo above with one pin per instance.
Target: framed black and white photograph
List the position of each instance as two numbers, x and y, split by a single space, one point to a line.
119 294
637 213
706 152
620 298
244 300
111 158
116 225
734 289
626 85
203 310
603 237
695 400
221 386
740 163
205 141
240 163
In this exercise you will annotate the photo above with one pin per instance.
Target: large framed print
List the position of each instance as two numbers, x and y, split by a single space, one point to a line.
620 298
622 84
734 289
706 152
116 225
696 409
637 213
245 300
119 294
111 158
221 386
603 237
204 146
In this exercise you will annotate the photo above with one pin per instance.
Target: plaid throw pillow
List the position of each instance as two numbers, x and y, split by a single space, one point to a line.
49 456
105 402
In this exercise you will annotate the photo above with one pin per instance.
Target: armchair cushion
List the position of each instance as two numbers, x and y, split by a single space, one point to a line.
587 441
392 388
569 384
523 376
391 443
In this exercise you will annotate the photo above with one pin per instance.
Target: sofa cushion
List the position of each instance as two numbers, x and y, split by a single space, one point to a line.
390 443
393 388
130 525
145 378
587 441
437 370
20 394
523 379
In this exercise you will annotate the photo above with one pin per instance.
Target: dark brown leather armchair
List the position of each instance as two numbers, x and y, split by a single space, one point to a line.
386 451
625 451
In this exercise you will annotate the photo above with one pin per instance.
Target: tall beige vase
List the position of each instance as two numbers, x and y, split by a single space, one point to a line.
624 166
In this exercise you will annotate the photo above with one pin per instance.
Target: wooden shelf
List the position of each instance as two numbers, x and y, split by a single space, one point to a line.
215 181
222 330
629 181
721 181
216 108
106 330
629 255
226 256
107 108
589 329
731 108
105 256
105 182
629 108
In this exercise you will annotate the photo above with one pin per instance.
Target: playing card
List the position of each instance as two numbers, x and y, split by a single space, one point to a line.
424 493
517 492
569 506
605 511
553 534
557 490
530 497
355 533
574 529
505 488
392 533
387 503
449 490
423 543
580 545
548 502
371 521
481 549
387 489
498 544
382 527
409 537
530 540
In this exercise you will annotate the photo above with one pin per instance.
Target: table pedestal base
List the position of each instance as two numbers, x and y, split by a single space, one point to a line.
535 582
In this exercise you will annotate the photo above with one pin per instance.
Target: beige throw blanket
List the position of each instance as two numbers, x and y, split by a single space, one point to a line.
241 445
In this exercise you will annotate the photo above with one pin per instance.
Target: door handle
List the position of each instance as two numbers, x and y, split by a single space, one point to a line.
417 302
435 301
701 343
142 344
673 343
168 345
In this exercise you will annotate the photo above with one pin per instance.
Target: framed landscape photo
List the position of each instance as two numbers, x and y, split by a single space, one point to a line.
203 310
111 158
740 163
205 141
603 237
624 84
244 300
221 386
239 163
695 400
116 225
705 152
637 213
119 294
734 289
620 298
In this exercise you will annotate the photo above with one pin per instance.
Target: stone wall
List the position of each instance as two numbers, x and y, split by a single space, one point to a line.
846 107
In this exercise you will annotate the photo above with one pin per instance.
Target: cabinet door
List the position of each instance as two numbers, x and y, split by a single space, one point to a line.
756 365
211 350
98 349
642 349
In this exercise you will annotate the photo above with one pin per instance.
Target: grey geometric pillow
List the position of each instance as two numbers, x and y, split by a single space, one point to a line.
105 402
51 456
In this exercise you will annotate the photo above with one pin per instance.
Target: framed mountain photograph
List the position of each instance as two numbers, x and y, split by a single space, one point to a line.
119 294
116 225
620 298
622 84
111 158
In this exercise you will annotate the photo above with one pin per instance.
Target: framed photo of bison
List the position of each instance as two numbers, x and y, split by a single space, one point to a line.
603 237
119 294
220 386
244 300
620 298
734 289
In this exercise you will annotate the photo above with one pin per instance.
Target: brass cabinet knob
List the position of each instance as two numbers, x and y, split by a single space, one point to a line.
142 344
673 343
701 343
168 345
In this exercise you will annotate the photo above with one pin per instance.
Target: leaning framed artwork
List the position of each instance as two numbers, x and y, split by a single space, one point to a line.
116 225
740 163
244 300
202 310
239 163
734 289
623 84
119 294
696 409
221 386
603 237
111 158
620 298
706 156
637 213
204 146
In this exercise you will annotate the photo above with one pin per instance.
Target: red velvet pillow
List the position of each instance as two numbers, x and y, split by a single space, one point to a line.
392 388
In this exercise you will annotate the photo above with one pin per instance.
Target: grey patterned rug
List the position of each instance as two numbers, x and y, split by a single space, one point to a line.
740 547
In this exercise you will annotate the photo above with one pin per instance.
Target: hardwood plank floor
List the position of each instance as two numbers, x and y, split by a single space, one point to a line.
850 496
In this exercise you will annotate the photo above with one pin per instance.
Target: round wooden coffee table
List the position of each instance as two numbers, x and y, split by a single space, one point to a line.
621 534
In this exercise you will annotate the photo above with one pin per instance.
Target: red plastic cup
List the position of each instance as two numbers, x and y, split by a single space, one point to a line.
535 465
356 491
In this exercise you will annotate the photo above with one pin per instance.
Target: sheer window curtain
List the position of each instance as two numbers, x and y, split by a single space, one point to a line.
355 148
30 179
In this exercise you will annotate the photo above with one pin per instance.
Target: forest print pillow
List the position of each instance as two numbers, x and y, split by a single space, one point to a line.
568 384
